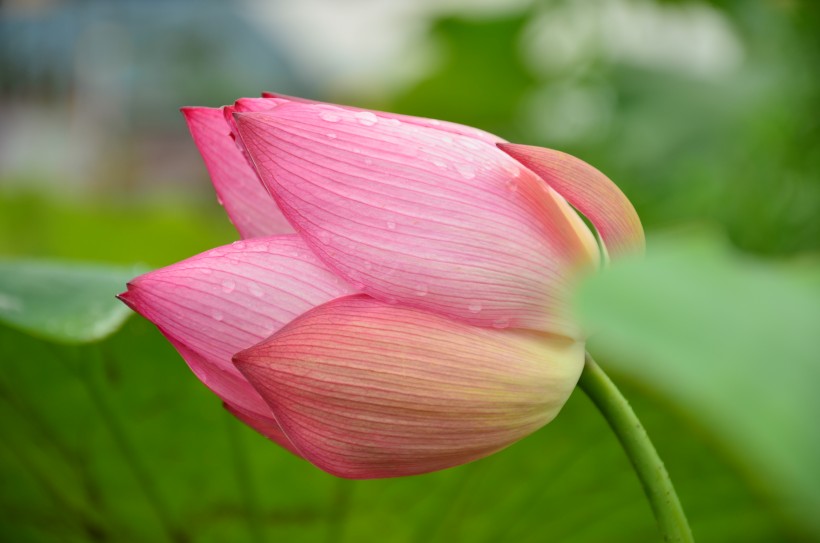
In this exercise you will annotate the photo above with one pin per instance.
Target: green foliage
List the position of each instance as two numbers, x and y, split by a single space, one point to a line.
730 339
156 233
146 453
71 303
117 441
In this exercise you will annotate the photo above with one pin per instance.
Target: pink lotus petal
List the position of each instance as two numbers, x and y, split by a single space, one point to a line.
590 191
265 425
224 300
415 214
245 105
250 208
445 126
365 389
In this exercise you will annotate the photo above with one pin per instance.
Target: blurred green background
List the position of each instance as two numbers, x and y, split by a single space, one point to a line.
706 114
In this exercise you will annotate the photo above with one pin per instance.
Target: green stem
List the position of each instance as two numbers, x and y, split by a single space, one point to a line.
642 454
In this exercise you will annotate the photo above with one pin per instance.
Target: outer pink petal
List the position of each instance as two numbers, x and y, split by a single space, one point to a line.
250 208
445 126
365 389
415 214
590 191
217 303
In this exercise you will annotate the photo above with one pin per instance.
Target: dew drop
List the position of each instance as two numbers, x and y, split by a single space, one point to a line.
331 135
435 122
474 307
392 122
421 290
330 117
239 245
217 315
368 161
511 167
207 271
366 118
511 185
501 323
440 163
269 327
256 290
228 286
391 225
466 170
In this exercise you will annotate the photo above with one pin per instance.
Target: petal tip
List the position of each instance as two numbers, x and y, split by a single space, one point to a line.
130 296
590 191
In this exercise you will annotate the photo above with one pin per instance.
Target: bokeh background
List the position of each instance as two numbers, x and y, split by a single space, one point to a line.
707 114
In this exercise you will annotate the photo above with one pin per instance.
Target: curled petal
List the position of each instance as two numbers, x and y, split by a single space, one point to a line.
365 389
217 303
590 191
415 214
249 206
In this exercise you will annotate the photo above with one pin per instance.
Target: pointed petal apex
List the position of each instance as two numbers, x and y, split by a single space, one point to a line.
589 191
215 304
249 206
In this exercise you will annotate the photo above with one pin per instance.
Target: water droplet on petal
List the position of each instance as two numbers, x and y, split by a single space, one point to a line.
421 290
207 271
392 122
329 117
331 135
366 118
440 163
467 171
501 323
239 245
217 315
269 327
368 161
228 286
391 225
474 307
256 290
